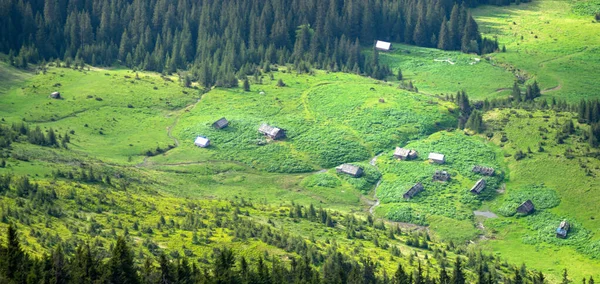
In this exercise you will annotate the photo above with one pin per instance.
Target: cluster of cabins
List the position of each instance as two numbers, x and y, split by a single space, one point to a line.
275 133
269 131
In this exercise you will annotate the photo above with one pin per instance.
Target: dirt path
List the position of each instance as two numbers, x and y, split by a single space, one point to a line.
170 128
552 89
373 162
307 113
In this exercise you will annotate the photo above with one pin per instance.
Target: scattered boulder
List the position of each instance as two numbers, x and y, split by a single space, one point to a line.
55 95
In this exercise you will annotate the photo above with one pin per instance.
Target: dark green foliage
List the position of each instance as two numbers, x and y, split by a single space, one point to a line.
458 276
246 84
280 83
475 122
166 37
121 268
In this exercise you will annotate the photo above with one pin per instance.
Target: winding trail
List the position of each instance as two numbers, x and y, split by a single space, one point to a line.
373 162
178 113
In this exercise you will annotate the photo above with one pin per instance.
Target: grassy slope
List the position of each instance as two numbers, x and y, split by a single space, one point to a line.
439 203
480 80
559 48
531 239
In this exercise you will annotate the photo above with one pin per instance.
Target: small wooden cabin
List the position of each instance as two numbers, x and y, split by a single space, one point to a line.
55 95
436 158
405 154
349 169
202 142
563 229
271 132
478 187
526 208
383 45
221 123
413 191
441 176
483 170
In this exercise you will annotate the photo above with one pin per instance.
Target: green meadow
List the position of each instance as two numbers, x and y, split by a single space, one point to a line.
552 42
139 127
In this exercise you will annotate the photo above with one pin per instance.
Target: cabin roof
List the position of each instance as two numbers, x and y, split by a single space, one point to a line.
526 207
478 187
436 156
401 152
349 169
418 187
383 45
221 123
269 130
201 141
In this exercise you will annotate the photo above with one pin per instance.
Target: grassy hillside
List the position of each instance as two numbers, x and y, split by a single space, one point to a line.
548 41
435 71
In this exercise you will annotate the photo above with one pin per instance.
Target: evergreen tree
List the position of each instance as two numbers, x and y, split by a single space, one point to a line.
400 277
246 84
120 267
458 276
445 42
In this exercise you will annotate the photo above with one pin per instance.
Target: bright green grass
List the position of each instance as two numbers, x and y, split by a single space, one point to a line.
452 199
564 56
330 119
479 79
107 129
10 77
559 188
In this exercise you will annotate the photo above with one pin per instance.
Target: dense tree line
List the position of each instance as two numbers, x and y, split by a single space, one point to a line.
85 265
221 40
589 112
22 132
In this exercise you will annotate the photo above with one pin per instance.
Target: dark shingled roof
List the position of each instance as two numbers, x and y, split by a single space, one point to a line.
441 176
526 208
271 131
352 170
413 191
221 123
478 187
483 170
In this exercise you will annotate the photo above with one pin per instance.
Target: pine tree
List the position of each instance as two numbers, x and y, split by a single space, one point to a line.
458 276
400 277
246 84
444 42
516 92
15 257
565 278
120 267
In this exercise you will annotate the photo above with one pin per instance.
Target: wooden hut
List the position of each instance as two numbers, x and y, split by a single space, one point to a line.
383 45
437 158
483 170
349 169
413 191
526 208
55 95
441 176
202 142
405 154
221 123
271 132
478 187
563 229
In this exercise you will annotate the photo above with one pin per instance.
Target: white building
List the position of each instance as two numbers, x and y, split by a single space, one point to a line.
383 45
202 142
437 158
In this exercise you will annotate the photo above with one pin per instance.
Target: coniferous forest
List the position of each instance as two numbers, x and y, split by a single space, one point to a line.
217 40
278 141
